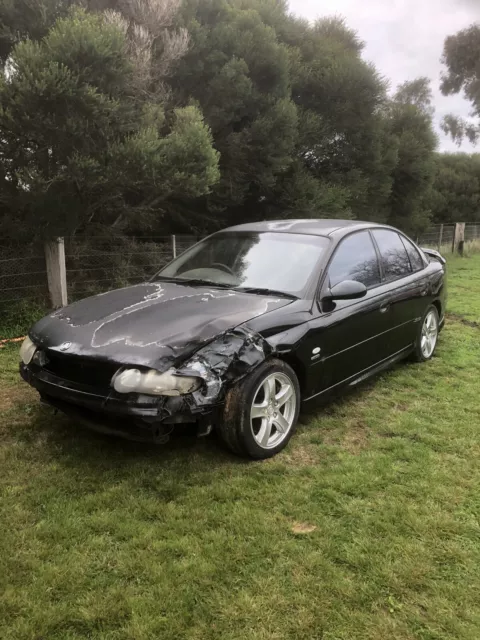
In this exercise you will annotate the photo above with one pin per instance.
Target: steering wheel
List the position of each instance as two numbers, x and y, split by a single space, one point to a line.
223 266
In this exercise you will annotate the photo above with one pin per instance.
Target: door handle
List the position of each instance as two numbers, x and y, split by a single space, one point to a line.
385 307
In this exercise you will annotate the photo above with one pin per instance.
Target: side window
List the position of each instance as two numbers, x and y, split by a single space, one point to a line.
415 258
355 259
395 260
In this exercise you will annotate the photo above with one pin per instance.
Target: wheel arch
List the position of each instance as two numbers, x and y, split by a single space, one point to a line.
297 366
438 306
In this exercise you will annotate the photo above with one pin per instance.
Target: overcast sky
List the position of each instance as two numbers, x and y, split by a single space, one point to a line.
404 38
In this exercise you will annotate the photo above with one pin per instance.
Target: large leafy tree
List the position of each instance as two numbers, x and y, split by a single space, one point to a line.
456 189
303 125
152 19
27 18
410 117
344 144
461 57
294 111
238 72
86 140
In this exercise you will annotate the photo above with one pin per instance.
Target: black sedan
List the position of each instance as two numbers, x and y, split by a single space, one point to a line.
241 329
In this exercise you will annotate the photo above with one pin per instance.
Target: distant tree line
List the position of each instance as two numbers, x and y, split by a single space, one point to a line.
455 193
456 187
163 116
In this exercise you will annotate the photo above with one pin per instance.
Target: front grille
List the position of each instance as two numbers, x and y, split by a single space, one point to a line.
85 371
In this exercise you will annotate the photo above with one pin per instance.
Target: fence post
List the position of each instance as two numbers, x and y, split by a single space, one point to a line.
440 237
174 246
56 272
458 237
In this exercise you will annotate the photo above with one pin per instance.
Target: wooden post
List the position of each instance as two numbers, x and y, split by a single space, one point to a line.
56 272
458 237
440 237
174 247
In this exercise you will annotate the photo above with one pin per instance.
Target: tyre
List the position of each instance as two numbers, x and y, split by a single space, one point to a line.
261 411
427 336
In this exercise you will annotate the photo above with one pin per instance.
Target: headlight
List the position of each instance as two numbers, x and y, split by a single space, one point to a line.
154 383
27 350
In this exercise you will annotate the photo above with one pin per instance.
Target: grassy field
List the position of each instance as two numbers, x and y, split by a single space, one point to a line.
366 527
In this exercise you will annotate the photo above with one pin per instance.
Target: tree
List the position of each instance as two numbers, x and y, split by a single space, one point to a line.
410 115
27 18
456 189
154 43
84 142
238 73
416 93
344 143
303 124
294 111
461 55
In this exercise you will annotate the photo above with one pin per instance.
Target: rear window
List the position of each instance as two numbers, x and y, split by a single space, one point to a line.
395 261
413 254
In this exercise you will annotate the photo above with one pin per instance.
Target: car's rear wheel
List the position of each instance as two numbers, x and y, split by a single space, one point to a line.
261 411
427 337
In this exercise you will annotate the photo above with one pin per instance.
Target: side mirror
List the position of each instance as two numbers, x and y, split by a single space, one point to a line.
347 290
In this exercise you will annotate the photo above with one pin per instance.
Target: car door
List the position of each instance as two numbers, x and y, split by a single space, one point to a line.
347 337
405 284
420 276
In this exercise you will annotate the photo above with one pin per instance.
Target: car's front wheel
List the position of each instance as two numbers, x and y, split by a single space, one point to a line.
261 411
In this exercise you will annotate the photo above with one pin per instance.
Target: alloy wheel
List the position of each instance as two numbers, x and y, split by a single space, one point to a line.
429 334
273 408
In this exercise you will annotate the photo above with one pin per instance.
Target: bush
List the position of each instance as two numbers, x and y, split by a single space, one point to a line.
17 318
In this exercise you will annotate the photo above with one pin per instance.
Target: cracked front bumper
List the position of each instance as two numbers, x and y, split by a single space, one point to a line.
102 400
140 418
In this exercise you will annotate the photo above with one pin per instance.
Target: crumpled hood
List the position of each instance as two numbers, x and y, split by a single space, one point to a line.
157 325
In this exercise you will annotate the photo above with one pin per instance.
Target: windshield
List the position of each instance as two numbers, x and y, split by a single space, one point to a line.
278 261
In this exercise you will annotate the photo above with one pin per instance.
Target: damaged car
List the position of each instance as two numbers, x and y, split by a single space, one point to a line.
241 330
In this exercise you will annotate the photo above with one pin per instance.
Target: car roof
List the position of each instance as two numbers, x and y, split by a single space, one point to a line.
316 227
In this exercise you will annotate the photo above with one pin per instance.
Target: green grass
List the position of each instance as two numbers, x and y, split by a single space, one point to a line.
16 319
366 527
464 287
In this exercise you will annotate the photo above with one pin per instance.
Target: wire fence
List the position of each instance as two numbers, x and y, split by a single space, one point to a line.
441 237
97 264
437 236
93 265
23 273
472 232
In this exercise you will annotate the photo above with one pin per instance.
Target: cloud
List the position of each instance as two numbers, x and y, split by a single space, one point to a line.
404 39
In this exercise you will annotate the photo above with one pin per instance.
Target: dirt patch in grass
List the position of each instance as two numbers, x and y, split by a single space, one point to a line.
352 438
458 318
300 455
13 395
413 437
355 438
302 528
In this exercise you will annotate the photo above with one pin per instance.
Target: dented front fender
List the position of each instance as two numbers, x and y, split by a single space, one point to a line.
224 361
